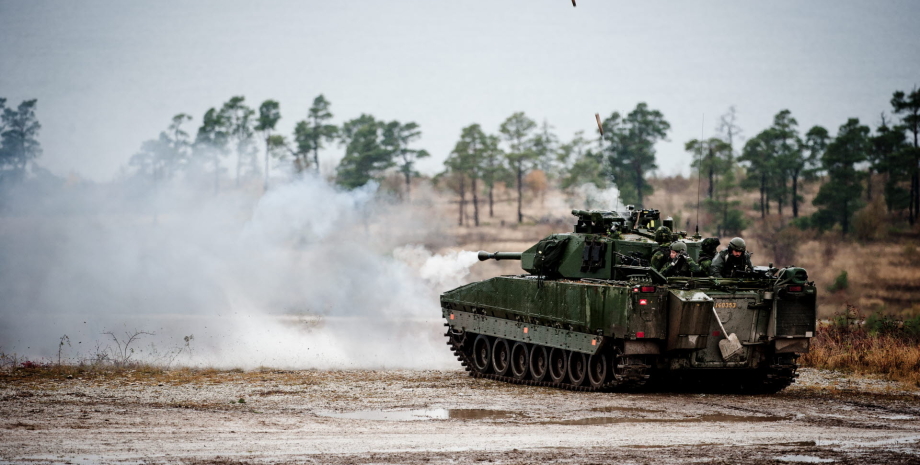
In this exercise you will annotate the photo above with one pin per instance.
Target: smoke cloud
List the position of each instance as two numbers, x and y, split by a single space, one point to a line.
304 276
598 199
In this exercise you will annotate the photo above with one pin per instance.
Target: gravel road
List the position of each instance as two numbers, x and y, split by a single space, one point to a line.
358 417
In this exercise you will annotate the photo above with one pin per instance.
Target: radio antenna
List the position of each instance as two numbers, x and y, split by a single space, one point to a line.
699 174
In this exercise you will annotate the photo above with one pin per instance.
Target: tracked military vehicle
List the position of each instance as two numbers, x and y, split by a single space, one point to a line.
591 314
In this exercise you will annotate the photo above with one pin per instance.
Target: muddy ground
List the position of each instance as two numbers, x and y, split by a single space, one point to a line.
363 417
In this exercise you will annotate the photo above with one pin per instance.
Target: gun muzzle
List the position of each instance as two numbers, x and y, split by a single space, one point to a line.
483 256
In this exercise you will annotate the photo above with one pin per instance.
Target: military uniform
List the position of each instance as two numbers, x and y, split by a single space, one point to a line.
707 254
660 257
725 264
706 264
681 266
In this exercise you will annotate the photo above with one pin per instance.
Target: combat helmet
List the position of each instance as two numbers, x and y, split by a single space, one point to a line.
663 235
679 247
737 244
710 244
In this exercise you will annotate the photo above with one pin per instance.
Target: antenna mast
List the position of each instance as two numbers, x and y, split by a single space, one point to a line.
699 176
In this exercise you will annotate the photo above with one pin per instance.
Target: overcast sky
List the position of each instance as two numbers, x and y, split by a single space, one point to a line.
110 74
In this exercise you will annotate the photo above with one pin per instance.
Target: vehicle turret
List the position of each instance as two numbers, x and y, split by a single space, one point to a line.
604 245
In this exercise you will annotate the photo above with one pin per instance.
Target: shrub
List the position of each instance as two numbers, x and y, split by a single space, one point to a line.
912 327
735 222
841 282
803 222
869 222
881 324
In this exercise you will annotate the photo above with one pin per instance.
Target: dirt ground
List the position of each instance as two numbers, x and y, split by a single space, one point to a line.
359 417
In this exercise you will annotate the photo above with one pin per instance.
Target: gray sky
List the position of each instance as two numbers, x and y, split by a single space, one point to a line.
110 74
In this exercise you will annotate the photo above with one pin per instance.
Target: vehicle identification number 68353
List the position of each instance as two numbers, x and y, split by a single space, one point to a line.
726 305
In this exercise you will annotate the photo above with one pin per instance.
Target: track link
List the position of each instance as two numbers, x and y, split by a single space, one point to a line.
632 375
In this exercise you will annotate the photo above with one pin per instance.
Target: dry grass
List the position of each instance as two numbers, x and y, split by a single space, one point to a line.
884 277
884 348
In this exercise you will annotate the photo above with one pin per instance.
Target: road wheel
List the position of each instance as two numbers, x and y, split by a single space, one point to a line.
558 365
578 367
520 360
597 370
482 354
501 356
539 363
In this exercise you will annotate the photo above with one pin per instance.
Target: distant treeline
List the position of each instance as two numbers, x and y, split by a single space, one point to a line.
855 166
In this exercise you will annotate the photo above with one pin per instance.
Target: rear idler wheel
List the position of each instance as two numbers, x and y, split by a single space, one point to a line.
501 357
597 370
539 363
558 365
578 368
520 361
482 354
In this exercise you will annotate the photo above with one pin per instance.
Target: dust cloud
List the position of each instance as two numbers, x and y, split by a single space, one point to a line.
304 276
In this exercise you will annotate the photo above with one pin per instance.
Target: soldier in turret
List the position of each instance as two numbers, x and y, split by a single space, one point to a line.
660 257
710 247
733 259
680 264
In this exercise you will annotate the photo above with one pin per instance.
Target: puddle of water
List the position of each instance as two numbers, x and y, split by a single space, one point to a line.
624 409
798 443
421 414
898 417
880 442
479 414
803 459
700 419
669 446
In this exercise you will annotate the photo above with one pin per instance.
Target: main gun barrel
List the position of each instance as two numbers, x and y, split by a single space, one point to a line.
483 255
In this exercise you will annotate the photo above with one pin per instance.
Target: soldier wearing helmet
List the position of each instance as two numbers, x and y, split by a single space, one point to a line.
660 257
710 247
680 264
733 259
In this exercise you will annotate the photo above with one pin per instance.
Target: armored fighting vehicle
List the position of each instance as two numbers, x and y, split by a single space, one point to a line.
591 314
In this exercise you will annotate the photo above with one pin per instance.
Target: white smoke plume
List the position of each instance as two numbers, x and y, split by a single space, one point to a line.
440 271
594 198
305 276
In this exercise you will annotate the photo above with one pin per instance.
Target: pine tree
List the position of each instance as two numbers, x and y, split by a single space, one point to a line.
840 196
630 150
